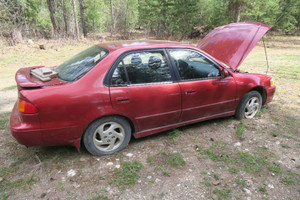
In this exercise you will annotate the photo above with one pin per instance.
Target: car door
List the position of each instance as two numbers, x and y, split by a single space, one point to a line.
204 92
141 87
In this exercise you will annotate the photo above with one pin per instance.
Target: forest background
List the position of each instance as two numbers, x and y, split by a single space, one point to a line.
162 19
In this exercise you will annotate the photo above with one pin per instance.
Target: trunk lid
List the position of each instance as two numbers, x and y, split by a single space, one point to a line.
232 43
26 80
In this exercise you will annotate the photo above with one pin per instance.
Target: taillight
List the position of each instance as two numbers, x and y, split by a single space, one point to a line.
27 108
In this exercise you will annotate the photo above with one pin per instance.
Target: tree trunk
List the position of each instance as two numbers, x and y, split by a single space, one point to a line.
82 14
16 36
237 16
51 8
112 18
65 16
75 19
164 18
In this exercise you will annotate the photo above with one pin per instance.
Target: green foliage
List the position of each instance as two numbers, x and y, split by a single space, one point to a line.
163 18
206 181
60 186
10 87
240 130
173 135
7 185
176 159
238 160
250 163
169 17
100 195
4 196
165 172
128 173
287 180
223 193
241 182
262 189
4 118
275 168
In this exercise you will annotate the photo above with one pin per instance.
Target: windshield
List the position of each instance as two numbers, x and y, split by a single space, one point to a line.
74 68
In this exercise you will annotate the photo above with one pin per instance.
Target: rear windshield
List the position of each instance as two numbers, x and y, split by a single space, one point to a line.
74 68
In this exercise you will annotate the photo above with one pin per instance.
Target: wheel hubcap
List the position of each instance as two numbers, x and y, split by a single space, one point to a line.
252 107
109 136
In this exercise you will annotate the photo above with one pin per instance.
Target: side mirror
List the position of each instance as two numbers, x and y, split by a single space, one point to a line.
224 73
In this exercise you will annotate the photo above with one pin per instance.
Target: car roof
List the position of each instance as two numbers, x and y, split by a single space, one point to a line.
138 44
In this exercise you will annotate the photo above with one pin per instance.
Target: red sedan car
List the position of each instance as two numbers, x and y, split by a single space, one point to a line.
111 91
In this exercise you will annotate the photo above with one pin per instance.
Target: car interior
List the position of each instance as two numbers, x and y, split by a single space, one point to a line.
141 68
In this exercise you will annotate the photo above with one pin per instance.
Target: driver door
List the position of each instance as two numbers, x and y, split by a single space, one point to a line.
141 87
204 93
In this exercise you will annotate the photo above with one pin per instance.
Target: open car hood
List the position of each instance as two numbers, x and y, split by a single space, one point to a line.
232 43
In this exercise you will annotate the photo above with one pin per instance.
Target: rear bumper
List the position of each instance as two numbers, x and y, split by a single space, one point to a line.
27 134
26 129
270 93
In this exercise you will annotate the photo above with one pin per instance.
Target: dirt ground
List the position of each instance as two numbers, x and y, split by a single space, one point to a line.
217 159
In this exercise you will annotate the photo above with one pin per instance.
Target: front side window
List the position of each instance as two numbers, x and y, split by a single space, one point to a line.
192 65
74 68
141 68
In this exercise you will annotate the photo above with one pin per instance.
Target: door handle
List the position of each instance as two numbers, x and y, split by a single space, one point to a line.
122 99
187 92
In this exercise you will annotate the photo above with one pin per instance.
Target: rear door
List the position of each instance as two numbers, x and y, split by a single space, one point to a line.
142 87
204 92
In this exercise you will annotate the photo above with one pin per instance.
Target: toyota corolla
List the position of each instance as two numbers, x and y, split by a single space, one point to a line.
112 91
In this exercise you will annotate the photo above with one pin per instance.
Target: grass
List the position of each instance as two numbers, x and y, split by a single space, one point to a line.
287 180
7 187
12 60
101 195
173 135
275 168
60 186
128 174
263 110
240 131
166 159
250 163
4 119
237 159
176 159
241 182
164 162
207 182
224 193
233 170
285 146
10 87
262 189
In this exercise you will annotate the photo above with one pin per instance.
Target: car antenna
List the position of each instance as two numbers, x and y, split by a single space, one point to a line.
266 55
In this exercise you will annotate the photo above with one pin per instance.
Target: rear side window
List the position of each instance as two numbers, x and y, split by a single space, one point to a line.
192 65
141 68
74 68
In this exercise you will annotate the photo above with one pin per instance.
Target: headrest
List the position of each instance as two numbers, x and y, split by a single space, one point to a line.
154 62
136 60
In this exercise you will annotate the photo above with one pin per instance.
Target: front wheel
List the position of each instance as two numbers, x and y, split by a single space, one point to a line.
107 136
249 106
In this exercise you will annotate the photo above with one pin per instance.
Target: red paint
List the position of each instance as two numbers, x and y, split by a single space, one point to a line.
232 43
66 109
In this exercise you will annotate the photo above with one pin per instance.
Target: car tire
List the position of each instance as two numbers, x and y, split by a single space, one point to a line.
249 106
107 135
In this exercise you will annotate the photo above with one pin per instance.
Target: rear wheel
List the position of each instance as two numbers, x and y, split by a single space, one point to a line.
249 106
107 135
